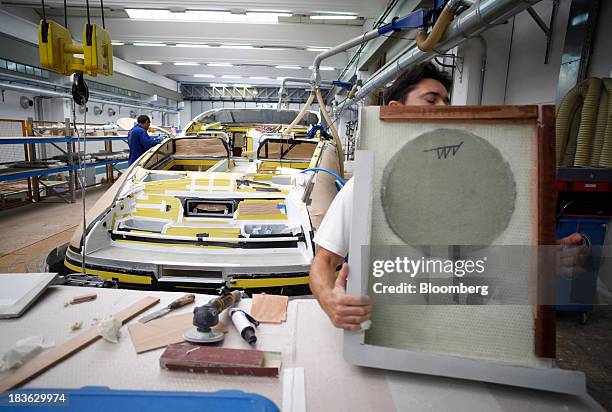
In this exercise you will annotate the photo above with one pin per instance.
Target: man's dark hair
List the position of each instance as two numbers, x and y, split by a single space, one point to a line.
407 81
143 118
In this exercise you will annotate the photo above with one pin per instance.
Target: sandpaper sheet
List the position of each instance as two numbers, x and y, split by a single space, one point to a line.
269 308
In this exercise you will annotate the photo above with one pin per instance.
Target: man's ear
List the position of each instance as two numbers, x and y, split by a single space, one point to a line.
394 103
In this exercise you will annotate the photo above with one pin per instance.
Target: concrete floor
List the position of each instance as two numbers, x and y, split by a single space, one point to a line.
30 232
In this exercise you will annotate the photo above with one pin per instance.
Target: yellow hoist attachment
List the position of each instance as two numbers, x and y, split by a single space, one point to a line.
59 54
98 56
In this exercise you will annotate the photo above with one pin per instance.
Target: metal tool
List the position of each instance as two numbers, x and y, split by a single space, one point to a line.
245 324
207 316
182 301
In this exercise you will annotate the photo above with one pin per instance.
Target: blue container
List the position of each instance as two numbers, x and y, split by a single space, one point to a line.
578 294
96 398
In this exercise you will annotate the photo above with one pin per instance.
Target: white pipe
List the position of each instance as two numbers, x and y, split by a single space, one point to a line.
64 95
67 88
473 21
316 75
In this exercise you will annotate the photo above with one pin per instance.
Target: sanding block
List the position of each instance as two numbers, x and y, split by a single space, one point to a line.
205 359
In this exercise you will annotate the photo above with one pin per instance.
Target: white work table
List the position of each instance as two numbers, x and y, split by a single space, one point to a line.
307 339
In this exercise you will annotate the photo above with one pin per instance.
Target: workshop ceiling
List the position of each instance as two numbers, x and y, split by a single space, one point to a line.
237 42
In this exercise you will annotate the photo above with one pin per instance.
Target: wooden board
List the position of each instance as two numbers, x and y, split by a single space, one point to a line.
454 113
269 308
189 357
160 332
55 355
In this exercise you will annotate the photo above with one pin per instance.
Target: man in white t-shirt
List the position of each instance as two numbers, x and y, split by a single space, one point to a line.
423 85
420 86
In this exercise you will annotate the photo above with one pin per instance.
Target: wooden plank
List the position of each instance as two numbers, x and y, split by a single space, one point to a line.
160 332
454 113
545 320
55 355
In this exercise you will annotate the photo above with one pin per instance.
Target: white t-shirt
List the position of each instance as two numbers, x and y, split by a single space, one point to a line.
335 230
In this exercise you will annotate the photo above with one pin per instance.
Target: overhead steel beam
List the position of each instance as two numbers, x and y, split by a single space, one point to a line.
207 92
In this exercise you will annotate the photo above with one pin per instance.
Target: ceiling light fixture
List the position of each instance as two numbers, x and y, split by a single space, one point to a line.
204 76
317 49
231 76
117 43
219 64
214 16
194 45
323 68
259 78
334 17
143 44
235 46
288 67
242 85
218 85
153 63
186 63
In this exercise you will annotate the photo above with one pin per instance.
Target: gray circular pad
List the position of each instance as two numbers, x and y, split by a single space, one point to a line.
448 187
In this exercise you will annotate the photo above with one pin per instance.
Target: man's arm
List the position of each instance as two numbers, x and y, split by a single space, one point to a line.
345 311
147 141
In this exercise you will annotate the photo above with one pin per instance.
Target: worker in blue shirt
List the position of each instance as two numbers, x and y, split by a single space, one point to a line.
138 138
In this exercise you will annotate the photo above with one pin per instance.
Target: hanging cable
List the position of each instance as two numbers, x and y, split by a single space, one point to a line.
102 11
43 10
65 15
88 18
81 176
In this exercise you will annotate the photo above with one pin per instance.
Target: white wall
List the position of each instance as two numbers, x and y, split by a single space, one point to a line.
515 68
10 107
601 59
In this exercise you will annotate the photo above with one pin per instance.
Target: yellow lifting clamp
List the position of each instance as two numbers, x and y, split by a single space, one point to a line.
58 52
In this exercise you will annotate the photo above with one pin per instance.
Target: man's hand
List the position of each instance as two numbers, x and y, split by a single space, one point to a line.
345 311
573 256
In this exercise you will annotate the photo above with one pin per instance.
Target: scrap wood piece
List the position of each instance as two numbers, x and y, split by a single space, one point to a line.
269 308
55 355
83 298
160 332
163 332
209 359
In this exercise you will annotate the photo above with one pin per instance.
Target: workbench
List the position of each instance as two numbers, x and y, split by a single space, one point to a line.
307 339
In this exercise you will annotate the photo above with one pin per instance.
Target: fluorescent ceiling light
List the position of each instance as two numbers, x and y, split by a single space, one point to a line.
220 64
235 46
317 49
323 68
141 44
117 43
218 85
264 17
333 17
214 16
204 76
154 63
259 78
288 67
242 85
186 63
194 45
231 76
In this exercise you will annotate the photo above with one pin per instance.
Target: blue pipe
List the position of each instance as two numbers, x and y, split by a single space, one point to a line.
322 169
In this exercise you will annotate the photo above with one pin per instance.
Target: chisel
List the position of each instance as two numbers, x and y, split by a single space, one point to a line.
182 301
